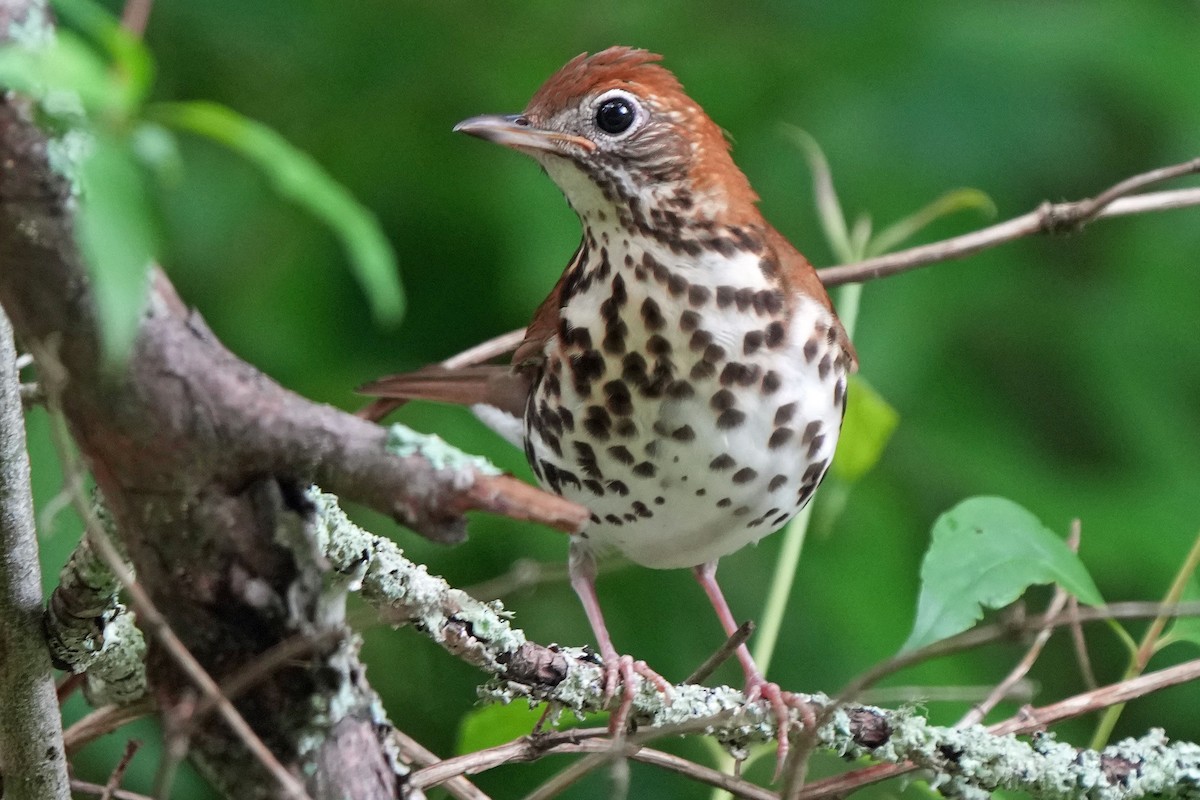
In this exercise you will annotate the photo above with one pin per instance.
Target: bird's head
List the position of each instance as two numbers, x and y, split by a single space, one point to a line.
616 132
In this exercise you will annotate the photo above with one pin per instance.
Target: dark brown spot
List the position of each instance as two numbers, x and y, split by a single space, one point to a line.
621 454
769 265
658 501
698 295
724 502
702 370
651 315
775 334
700 340
730 418
595 518
779 438
839 392
810 350
633 369
744 298
658 345
744 475
680 390
721 462
701 492
597 422
646 469
688 321
782 518
751 342
630 517
816 444
825 365
725 295
594 486
641 509
741 374
741 511
722 400
677 284
771 382
626 428
619 401
683 434
714 353
613 519
811 430
619 487
785 413
615 331
776 482
651 448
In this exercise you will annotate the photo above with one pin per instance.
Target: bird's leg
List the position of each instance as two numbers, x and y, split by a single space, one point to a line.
582 569
757 686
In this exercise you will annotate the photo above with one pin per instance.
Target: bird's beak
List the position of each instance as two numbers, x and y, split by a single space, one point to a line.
518 132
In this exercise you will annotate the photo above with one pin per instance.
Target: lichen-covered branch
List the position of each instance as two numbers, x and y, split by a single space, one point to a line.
962 761
32 763
91 632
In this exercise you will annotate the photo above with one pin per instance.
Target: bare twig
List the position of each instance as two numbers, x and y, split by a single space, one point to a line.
136 15
722 654
118 772
104 721
84 787
1047 218
1079 645
416 753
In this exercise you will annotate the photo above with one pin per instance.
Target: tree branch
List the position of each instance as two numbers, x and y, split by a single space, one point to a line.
1047 218
31 742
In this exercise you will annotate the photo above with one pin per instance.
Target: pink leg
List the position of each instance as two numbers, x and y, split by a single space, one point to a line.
582 568
757 686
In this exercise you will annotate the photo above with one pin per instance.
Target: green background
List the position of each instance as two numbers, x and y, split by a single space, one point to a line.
1062 373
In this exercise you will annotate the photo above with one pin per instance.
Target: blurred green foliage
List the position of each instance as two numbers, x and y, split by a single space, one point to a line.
1061 373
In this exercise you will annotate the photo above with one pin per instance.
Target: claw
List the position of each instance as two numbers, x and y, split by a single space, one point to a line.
623 669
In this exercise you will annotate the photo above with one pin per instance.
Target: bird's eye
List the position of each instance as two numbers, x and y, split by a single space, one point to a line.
615 115
618 114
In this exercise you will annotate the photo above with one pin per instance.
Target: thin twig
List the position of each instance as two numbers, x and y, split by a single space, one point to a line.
104 721
979 711
418 754
1047 218
722 654
118 773
1079 645
84 787
136 16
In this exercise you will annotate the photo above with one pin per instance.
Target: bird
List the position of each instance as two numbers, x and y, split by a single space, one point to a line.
685 379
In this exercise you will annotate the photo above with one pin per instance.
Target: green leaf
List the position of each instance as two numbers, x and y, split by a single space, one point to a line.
118 236
298 178
949 203
984 553
866 429
132 66
490 725
1185 629
66 77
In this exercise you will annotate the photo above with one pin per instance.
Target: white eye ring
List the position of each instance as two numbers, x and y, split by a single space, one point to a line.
617 114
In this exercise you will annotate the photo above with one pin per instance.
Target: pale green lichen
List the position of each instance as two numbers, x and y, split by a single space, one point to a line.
403 441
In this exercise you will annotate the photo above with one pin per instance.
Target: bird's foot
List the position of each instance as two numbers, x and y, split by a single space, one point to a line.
781 704
620 670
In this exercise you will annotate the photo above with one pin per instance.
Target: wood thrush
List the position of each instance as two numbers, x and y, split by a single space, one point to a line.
686 378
